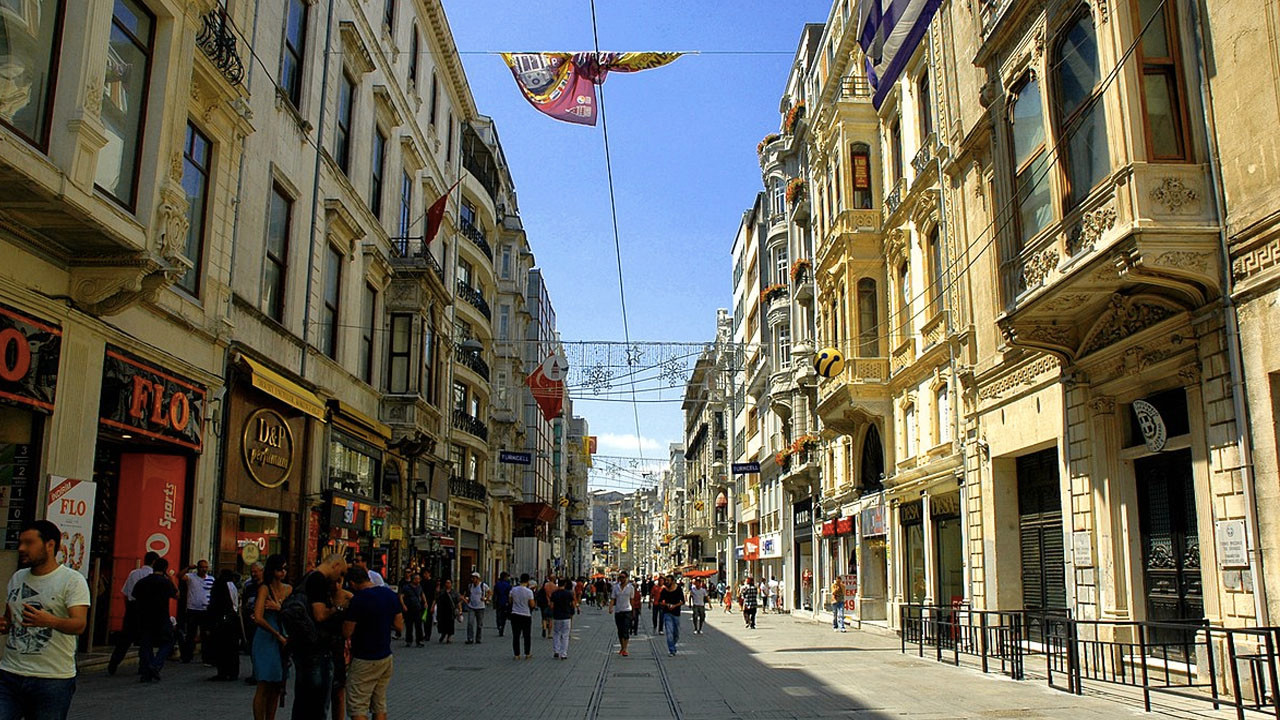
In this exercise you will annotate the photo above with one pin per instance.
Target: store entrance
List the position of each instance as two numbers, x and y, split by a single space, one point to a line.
1170 541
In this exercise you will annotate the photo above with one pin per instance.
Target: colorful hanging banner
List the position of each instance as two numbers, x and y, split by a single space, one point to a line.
562 85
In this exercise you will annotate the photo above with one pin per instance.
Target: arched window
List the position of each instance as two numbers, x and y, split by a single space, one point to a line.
860 158
1082 122
909 431
1031 184
413 57
868 319
937 276
904 301
942 404
872 466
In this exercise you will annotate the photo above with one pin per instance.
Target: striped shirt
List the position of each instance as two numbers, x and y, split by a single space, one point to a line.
750 597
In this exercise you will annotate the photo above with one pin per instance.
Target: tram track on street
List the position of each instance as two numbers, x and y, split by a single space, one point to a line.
600 689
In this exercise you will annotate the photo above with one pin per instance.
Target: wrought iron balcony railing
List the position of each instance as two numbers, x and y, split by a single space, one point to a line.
414 251
894 199
471 360
476 236
470 424
920 162
465 488
218 41
473 296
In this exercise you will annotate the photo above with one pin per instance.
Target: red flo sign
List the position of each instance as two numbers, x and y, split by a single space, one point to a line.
140 398
844 526
751 548
29 352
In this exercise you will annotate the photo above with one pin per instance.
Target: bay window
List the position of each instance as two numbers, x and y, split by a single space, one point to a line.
124 100
29 45
1082 123
1163 103
195 181
1031 186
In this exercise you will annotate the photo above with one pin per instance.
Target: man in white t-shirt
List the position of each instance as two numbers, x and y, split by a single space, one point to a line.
522 606
48 606
698 600
198 584
361 560
620 596
477 598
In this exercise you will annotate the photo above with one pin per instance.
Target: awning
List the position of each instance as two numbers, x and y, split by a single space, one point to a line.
283 389
359 424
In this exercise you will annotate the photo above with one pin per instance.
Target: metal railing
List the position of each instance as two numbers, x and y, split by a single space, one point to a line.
920 162
218 42
476 236
466 488
894 199
854 86
989 635
472 360
470 424
414 251
473 296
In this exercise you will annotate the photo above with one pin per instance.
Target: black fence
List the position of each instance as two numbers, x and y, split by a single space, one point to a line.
1231 667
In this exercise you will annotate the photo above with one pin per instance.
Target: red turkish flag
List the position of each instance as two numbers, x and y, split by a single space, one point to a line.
435 214
547 385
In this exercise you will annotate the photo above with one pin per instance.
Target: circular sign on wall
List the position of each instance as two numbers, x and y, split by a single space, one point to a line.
1151 423
250 553
267 447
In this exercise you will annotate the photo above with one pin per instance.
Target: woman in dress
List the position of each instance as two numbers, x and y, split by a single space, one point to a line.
448 608
269 641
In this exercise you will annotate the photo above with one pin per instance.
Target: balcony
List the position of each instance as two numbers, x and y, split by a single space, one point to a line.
468 489
475 299
854 87
903 355
412 253
920 163
218 42
894 199
781 384
862 384
472 361
470 424
779 310
476 236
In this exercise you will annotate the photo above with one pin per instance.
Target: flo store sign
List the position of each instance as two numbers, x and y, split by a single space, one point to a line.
140 398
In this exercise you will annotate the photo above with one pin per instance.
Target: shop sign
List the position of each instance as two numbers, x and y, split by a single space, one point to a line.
152 505
267 448
829 528
944 505
515 458
70 507
850 584
802 515
1154 434
844 526
29 352
1233 550
873 521
140 398
739 553
751 548
349 514
771 546
746 468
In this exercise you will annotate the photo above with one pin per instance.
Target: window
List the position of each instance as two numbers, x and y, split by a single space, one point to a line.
505 263
779 196
332 294
504 322
379 167
448 146
295 37
895 148
780 265
366 332
342 143
279 219
861 158
459 397
942 403
195 181
124 100
1031 185
406 203
389 15
904 301
834 335
937 276
465 272
413 59
435 97
784 348
909 431
924 106
467 214
354 466
1081 119
1162 94
30 49
428 362
398 353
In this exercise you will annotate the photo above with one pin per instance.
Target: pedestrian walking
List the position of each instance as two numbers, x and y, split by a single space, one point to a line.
478 595
655 607
413 603
763 589
269 641
448 611
671 598
47 607
374 613
339 649
309 615
698 594
749 597
197 584
153 622
579 587
620 605
225 634
837 605
728 600
429 590
637 607
562 609
522 606
361 560
502 601
128 634
544 603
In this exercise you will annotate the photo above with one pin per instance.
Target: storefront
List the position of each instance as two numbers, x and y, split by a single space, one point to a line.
802 534
871 564
269 420
356 489
30 349
150 436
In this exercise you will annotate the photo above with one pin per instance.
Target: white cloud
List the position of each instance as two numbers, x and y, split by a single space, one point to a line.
615 444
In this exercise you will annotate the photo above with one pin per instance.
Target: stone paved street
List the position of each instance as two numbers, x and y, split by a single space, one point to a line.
788 668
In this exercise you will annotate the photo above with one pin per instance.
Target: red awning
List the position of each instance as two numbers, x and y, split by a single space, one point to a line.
844 526
829 528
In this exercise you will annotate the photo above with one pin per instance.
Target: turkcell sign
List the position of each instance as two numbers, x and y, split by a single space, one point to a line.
746 468
515 458
577 521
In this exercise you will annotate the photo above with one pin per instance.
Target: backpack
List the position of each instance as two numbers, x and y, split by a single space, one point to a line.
299 625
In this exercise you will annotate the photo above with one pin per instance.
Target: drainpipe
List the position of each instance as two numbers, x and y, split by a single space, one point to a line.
315 188
1260 611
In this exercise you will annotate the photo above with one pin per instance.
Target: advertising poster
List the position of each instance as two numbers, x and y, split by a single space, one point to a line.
70 507
850 583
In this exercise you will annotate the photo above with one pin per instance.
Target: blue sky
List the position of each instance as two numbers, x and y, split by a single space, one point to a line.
683 141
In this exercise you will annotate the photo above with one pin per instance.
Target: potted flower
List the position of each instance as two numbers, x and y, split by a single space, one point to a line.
795 190
770 292
783 458
800 269
793 117
767 139
804 445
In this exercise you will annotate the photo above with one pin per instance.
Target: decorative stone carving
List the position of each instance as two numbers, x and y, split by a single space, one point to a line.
1101 6
1123 318
1189 374
1102 405
895 245
93 99
1174 194
1089 231
1256 260
1070 301
1038 266
1060 335
1026 375
172 222
109 290
1185 260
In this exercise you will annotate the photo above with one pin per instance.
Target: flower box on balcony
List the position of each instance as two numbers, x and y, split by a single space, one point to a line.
775 290
800 270
795 190
794 115
765 142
